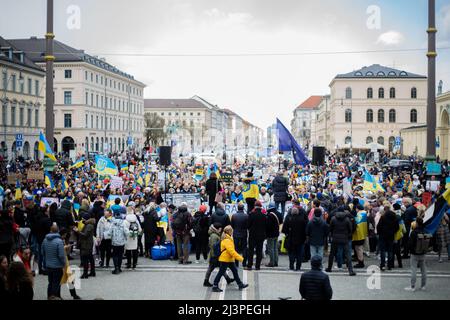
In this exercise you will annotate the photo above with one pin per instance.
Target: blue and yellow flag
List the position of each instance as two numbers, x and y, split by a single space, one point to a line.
104 166
18 191
78 164
250 190
214 169
64 184
49 181
45 147
370 184
124 167
361 232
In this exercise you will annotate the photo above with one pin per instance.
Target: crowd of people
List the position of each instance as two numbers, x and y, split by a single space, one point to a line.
307 212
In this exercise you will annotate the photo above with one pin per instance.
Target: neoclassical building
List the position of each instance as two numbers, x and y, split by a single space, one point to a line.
97 106
372 105
22 102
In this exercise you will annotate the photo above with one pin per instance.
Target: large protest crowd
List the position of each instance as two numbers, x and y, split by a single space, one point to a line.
347 209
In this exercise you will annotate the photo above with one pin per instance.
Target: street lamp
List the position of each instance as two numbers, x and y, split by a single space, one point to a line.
351 123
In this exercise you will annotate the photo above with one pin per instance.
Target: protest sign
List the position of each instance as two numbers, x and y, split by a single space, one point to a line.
193 200
116 182
227 177
49 201
434 168
161 178
432 186
37 175
333 177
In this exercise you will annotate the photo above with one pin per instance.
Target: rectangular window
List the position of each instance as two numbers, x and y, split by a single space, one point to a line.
5 80
92 121
96 78
13 82
101 101
21 115
86 75
13 116
96 122
68 74
110 103
30 86
67 97
4 115
96 100
36 87
87 98
36 118
67 120
92 99
22 85
106 103
92 77
101 80
87 122
29 118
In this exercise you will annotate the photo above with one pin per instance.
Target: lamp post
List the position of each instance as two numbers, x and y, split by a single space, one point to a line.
49 58
431 103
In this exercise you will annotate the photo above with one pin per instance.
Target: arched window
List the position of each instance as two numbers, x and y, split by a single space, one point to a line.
369 93
369 140
413 116
381 115
392 116
348 140
413 93
369 115
96 144
92 143
102 146
381 93
392 93
380 140
86 145
348 93
348 115
391 143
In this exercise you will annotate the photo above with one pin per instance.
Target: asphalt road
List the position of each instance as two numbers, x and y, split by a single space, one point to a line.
167 280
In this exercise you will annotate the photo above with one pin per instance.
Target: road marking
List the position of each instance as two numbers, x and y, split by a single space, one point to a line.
223 286
244 280
251 286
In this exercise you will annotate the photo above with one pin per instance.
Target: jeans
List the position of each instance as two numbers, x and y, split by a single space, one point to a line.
133 253
345 248
54 282
183 247
40 256
117 252
386 246
223 269
105 250
241 247
214 263
283 206
272 248
421 260
296 254
316 250
255 244
85 261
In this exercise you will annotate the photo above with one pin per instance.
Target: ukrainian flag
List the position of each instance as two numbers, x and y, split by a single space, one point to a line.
124 167
250 190
361 232
140 181
435 213
104 166
18 191
49 181
64 184
78 164
370 184
214 169
45 147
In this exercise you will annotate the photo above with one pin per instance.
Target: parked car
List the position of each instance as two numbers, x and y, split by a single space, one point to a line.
397 164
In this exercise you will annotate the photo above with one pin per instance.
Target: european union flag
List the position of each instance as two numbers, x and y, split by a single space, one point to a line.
286 142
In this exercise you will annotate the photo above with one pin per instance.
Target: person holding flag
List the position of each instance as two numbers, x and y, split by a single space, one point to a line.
250 191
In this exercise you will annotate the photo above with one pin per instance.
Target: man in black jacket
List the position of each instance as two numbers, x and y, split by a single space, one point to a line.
220 216
150 228
315 284
182 225
42 228
408 217
280 187
272 233
63 216
294 227
257 221
213 186
386 228
239 223
341 231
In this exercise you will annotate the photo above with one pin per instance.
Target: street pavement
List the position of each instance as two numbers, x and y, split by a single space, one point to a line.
167 280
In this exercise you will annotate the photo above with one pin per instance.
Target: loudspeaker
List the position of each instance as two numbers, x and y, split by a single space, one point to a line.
318 156
165 156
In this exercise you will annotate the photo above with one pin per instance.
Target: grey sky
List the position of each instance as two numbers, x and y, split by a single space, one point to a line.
258 88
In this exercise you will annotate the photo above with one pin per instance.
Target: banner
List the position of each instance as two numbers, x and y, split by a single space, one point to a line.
232 208
49 201
35 175
227 177
193 200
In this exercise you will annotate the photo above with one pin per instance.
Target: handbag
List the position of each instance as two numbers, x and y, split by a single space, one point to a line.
219 195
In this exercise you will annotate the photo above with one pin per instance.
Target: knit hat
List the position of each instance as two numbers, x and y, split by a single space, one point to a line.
203 208
396 206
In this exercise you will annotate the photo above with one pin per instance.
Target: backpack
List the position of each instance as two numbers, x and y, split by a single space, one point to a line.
197 228
422 243
179 223
216 249
134 227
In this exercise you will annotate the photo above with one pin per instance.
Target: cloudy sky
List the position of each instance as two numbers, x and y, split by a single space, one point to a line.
239 54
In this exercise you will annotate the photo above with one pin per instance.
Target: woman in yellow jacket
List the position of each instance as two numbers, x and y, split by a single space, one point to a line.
227 259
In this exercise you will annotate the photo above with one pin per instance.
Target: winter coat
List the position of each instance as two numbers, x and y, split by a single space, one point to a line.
83 210
273 224
20 218
413 240
265 199
221 217
239 223
294 228
387 226
52 252
187 218
23 292
229 253
150 224
132 237
280 187
341 228
103 227
315 285
201 225
317 231
410 215
87 237
42 228
118 232
97 211
257 224
63 216
211 188
6 229
214 237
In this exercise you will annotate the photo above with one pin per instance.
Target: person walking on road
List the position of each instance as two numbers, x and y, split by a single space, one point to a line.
118 234
419 243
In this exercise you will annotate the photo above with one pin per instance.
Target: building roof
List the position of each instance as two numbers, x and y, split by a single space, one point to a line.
35 48
15 56
378 71
172 104
310 103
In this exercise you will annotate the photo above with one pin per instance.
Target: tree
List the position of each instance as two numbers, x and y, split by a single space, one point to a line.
154 129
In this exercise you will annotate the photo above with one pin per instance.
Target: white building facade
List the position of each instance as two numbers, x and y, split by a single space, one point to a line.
97 107
302 124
